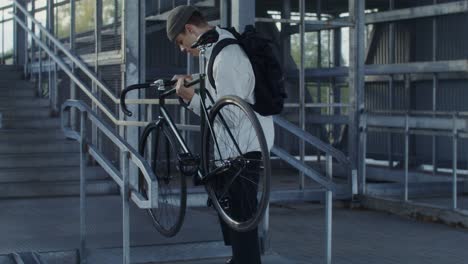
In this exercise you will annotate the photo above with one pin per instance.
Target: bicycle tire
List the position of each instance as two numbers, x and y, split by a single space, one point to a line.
228 117
169 216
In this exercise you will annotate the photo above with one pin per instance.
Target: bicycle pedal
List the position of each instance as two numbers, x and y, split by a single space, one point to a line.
188 163
225 203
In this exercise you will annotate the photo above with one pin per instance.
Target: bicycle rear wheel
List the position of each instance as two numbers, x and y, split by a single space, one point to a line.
236 163
160 148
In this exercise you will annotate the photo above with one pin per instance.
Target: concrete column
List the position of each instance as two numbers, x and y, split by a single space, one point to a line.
224 13
242 13
356 81
133 46
19 38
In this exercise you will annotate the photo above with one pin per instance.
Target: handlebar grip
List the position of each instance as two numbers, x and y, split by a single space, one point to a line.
165 82
191 83
124 93
160 82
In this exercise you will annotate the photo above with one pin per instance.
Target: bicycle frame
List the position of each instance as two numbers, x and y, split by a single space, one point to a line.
164 115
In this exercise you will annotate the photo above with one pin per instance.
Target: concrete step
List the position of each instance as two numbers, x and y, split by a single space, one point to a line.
25 123
11 75
26 112
16 85
29 146
26 257
45 174
7 104
65 257
18 92
4 67
45 134
168 253
52 189
39 160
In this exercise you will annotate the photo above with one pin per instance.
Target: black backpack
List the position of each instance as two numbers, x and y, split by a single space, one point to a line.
269 80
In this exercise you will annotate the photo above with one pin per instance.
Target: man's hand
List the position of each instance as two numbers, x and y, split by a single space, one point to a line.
186 93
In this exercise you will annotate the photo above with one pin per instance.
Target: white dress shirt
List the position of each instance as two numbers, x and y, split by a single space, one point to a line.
233 75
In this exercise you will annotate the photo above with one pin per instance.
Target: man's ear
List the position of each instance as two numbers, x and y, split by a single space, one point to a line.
189 28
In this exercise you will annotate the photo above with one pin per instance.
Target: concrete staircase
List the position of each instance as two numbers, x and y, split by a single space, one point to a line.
36 160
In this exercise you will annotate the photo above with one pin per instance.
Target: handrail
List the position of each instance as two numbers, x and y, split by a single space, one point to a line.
317 143
59 45
115 120
311 173
62 64
314 141
6 7
134 156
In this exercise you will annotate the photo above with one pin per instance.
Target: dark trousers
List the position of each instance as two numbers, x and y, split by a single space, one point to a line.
242 204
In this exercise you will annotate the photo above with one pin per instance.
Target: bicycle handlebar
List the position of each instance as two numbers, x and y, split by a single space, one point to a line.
158 83
123 106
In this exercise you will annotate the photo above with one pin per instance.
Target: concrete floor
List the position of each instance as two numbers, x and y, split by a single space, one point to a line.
297 233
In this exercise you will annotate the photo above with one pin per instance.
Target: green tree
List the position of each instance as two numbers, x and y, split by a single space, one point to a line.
311 49
85 10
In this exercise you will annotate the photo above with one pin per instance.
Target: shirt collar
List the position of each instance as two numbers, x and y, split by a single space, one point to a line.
222 35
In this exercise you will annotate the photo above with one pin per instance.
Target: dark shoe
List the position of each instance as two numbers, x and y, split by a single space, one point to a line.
230 261
196 180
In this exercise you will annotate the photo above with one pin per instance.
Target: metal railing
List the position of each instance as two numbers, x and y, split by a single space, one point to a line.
325 181
79 64
455 127
121 177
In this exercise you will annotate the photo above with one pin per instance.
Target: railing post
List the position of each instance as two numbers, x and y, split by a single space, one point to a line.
363 155
3 37
55 86
126 207
391 84
15 38
406 157
26 60
51 69
39 74
33 27
83 159
435 84
97 49
328 211
455 164
302 86
149 118
72 65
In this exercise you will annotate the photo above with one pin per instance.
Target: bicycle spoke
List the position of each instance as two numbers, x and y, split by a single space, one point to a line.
228 185
243 189
169 215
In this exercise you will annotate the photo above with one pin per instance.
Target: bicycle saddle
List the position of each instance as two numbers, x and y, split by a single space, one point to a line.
206 38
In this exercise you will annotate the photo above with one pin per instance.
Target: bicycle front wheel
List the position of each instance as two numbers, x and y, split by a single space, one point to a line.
236 162
160 148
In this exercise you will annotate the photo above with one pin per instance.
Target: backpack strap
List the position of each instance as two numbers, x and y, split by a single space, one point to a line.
216 50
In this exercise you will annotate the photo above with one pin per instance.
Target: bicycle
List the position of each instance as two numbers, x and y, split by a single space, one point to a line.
230 160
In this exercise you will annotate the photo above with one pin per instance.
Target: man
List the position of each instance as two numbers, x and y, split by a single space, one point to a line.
233 75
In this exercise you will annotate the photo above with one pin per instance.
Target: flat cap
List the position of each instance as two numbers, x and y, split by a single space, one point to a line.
177 19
